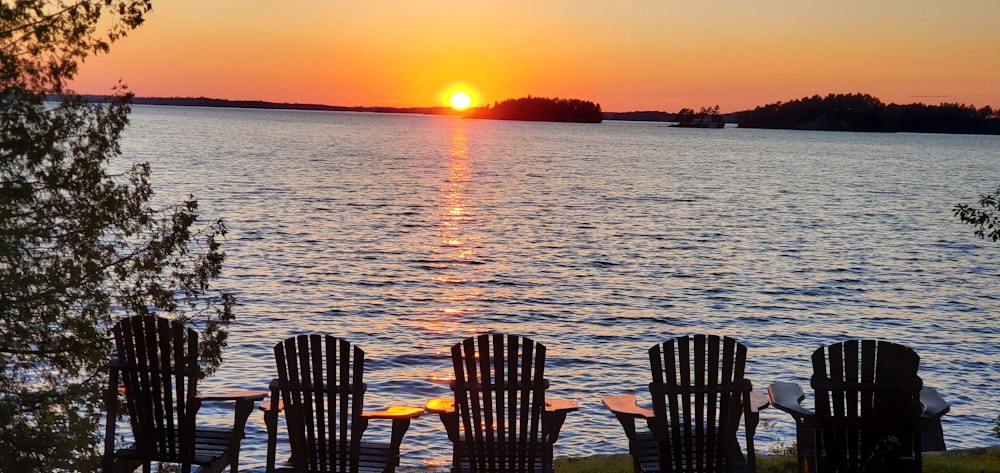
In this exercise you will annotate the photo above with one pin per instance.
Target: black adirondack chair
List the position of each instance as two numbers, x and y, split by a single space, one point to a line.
499 419
156 373
320 386
871 410
699 395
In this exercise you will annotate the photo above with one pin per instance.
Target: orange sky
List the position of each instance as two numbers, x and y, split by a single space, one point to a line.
625 55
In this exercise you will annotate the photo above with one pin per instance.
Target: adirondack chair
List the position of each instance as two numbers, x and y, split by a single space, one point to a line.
871 410
157 365
699 393
499 419
320 386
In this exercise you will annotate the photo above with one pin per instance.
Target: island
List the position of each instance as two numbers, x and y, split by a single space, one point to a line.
707 117
541 109
863 112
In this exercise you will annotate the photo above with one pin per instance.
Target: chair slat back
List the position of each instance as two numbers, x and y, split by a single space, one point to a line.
159 371
867 402
500 397
320 379
699 395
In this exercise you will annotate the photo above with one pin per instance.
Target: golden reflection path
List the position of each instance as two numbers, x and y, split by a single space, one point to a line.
454 269
460 244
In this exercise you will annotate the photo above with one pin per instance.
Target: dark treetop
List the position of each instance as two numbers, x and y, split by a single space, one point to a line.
541 109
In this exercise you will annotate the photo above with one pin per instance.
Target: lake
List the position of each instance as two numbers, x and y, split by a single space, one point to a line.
407 233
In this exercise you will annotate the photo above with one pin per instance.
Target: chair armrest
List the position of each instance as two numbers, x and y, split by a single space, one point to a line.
561 405
395 412
626 410
934 405
400 416
935 408
440 405
626 405
788 397
555 415
266 406
235 396
275 399
446 405
759 401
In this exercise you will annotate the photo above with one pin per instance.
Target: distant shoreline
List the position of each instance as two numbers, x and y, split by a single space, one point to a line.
265 105
261 104
877 117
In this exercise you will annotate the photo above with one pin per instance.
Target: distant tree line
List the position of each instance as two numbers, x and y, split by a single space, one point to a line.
640 116
261 104
863 112
541 109
655 116
835 112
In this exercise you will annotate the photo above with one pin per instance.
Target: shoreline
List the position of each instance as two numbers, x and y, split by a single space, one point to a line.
766 462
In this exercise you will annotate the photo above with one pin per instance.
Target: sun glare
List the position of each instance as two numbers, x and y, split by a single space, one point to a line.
459 95
460 100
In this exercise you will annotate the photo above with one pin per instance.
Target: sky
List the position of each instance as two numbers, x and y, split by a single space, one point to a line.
626 55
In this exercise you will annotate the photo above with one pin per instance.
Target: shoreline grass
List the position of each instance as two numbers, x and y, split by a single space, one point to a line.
975 460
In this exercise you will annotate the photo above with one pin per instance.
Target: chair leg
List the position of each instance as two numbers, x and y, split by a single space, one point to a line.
271 422
110 421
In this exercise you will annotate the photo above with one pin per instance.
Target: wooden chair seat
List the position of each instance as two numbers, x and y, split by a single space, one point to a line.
210 447
511 459
373 457
645 451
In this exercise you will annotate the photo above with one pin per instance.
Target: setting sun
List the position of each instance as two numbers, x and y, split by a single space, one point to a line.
459 95
460 100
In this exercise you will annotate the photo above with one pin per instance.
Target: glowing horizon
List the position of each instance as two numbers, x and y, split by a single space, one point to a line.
633 55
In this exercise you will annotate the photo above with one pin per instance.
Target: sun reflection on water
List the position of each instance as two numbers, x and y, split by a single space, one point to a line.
460 245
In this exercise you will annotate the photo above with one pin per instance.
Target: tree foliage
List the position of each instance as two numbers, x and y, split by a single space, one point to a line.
986 217
80 246
542 109
706 117
863 112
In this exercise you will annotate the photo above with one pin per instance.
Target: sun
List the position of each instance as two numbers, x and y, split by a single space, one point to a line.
460 100
459 95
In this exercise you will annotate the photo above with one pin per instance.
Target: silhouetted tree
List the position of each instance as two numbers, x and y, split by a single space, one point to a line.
80 246
685 117
705 117
542 109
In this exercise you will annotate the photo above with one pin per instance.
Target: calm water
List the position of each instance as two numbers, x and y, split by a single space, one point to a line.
407 233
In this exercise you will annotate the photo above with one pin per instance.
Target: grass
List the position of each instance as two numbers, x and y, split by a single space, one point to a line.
977 460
